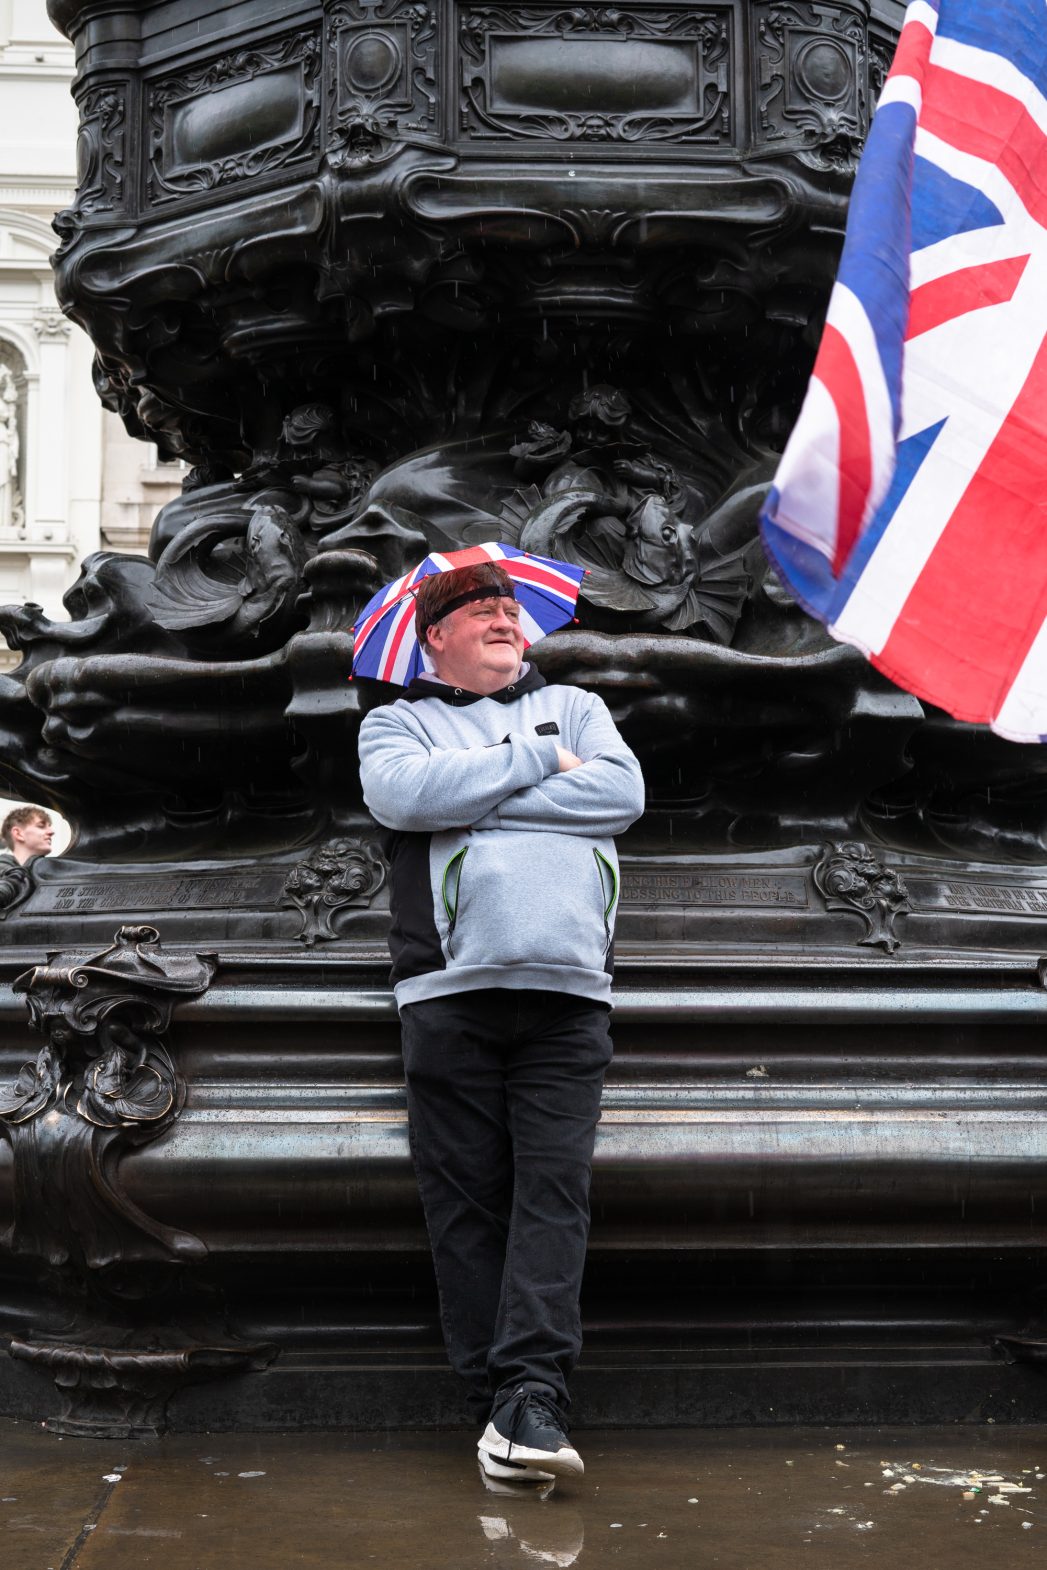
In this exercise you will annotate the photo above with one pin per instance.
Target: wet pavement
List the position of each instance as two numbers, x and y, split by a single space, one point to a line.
755 1499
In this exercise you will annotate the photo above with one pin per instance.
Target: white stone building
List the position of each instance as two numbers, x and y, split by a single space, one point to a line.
71 480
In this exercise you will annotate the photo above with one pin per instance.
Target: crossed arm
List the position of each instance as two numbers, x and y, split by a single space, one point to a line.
408 785
603 794
526 783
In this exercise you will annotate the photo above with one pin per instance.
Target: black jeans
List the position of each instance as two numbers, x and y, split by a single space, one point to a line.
503 1095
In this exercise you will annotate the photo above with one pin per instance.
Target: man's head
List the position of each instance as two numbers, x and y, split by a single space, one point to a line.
468 622
27 832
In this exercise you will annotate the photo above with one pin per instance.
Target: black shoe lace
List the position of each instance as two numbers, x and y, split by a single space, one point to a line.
549 1414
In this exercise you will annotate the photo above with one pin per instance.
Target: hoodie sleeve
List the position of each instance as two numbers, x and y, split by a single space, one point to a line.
413 787
603 797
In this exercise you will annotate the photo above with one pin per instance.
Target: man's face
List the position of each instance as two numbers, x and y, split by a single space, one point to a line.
32 838
479 646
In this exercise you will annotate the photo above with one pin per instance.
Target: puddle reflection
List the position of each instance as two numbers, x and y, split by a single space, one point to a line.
523 1520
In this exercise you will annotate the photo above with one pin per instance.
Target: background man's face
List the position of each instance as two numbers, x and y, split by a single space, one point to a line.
32 838
480 646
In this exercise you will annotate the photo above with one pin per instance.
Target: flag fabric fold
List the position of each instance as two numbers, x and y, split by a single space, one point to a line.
909 512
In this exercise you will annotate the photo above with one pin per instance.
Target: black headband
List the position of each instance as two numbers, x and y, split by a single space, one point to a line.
493 591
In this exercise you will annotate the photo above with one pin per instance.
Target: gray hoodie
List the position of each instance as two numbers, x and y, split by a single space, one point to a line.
503 871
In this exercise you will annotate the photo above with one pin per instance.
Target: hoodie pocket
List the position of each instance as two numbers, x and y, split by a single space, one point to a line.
608 872
450 888
526 898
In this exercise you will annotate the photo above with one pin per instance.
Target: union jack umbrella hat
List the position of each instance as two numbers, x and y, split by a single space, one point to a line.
385 645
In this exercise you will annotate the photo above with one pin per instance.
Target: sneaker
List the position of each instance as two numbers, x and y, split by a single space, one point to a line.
529 1428
525 1483
510 1471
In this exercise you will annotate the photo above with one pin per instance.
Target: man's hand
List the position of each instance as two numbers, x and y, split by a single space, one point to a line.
568 760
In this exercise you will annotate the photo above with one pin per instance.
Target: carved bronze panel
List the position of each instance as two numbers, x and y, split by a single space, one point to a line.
850 876
100 149
596 74
812 82
246 113
341 873
381 75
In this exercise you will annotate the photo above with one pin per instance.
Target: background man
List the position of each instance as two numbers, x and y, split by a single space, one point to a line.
502 796
26 832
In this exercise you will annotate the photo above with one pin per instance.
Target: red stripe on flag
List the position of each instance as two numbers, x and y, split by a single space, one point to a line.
406 614
989 124
969 289
966 628
914 46
837 370
383 611
530 572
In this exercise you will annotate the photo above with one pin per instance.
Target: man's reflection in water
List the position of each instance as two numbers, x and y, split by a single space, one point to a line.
524 1529
26 833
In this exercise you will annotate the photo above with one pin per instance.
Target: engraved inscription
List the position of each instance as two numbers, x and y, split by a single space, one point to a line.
686 887
173 893
980 898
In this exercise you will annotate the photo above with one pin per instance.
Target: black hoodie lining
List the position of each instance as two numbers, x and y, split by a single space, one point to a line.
461 697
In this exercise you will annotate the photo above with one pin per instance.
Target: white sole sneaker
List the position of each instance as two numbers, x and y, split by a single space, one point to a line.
512 1471
565 1462
513 1482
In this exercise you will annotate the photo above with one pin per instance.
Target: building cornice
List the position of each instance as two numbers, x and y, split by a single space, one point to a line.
36 547
37 70
15 196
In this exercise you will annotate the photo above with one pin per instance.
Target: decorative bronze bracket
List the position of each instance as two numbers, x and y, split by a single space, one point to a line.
102 1083
849 877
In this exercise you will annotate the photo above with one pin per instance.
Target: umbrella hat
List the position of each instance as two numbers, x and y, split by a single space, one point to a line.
385 644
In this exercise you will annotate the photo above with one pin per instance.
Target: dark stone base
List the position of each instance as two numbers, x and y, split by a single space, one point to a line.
626 1387
817 1198
643 1389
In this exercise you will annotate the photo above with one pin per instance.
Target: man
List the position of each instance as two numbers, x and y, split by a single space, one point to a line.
26 832
502 796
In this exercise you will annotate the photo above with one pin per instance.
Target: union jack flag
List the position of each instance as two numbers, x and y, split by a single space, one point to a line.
909 512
